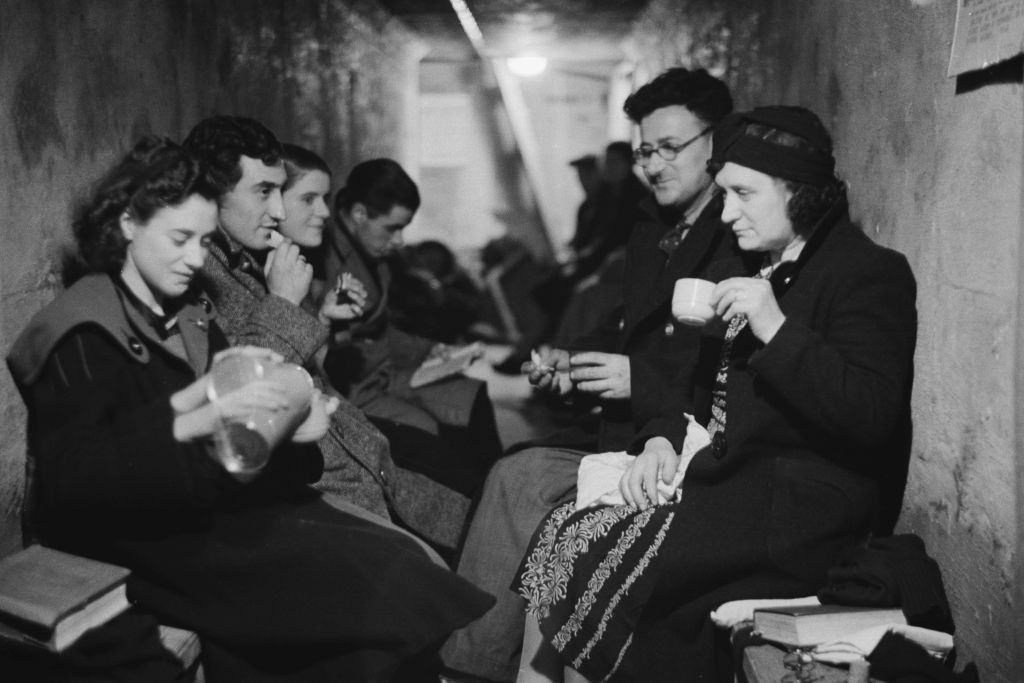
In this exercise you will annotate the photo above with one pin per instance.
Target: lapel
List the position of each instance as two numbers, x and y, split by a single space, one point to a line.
657 280
194 324
193 328
352 260
644 263
231 259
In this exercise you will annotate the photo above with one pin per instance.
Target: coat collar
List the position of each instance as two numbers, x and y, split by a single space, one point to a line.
234 254
353 259
95 300
787 273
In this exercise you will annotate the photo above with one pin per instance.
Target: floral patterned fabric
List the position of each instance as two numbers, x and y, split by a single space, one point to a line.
588 575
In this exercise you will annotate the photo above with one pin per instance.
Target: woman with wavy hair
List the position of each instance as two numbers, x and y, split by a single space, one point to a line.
278 584
803 407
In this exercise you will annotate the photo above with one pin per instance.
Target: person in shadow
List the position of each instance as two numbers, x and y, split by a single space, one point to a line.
371 361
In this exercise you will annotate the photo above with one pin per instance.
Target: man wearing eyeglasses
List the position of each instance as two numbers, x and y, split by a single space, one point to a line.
631 365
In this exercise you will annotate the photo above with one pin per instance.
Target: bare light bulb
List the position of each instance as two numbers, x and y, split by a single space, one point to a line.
527 65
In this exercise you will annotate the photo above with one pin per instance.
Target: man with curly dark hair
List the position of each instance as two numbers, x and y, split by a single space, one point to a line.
629 365
258 292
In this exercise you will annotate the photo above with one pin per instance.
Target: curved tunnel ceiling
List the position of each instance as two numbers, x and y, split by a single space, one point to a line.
568 30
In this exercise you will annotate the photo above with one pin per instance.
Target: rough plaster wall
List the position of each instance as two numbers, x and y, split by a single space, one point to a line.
82 80
936 175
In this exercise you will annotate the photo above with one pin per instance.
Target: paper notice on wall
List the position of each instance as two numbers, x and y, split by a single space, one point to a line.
987 32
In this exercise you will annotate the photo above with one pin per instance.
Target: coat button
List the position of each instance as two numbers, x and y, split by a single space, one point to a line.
205 303
200 323
383 477
670 329
135 346
622 324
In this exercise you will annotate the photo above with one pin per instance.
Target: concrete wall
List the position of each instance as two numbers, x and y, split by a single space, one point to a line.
83 79
938 176
471 175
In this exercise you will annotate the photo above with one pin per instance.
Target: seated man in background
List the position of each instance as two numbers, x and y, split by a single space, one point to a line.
631 365
616 208
604 221
258 294
588 173
371 360
433 296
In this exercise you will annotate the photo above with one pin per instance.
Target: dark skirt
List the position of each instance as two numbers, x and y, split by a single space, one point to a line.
587 577
625 594
297 590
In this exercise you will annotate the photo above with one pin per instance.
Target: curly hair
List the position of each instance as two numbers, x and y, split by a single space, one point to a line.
808 203
298 161
221 141
156 173
379 185
705 96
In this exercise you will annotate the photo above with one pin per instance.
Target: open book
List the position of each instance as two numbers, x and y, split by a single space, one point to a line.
452 362
49 598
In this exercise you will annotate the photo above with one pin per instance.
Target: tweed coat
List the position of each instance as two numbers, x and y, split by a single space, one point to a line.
279 585
357 458
379 358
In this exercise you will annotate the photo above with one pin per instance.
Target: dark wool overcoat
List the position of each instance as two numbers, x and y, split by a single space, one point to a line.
817 445
278 584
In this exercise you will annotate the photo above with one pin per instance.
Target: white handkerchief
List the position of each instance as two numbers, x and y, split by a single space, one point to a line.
597 482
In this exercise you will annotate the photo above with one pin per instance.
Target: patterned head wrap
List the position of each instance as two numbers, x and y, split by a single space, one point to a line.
813 167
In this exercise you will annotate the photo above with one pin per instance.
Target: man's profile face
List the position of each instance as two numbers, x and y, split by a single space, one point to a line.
678 182
380 235
251 210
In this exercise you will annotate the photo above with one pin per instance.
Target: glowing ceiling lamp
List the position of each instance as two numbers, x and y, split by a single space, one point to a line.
527 65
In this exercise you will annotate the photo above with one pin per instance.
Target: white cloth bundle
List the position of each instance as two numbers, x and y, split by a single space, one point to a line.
597 482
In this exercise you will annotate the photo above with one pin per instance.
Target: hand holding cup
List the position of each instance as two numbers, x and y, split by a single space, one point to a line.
752 297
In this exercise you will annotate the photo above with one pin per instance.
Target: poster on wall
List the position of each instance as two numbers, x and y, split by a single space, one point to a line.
987 32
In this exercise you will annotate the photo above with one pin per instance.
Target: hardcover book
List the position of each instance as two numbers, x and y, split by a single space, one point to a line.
49 598
810 625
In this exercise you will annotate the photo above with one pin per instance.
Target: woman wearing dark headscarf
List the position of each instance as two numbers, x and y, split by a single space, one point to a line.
806 401
279 585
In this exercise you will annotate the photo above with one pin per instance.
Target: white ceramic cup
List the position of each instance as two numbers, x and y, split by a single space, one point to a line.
691 301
